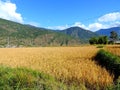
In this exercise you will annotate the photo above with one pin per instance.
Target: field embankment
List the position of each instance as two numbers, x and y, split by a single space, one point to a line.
110 59
70 65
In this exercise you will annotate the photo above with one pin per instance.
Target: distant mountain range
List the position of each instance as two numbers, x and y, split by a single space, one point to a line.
107 31
14 34
80 33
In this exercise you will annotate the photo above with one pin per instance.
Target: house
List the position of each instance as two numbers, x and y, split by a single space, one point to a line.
117 42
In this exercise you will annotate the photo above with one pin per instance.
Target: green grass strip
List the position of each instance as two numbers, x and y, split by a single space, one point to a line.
109 61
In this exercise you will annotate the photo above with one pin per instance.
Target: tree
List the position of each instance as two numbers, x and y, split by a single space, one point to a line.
113 36
93 40
105 40
99 40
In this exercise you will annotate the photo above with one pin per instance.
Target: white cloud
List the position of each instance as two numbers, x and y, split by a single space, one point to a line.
110 17
34 24
8 11
106 21
117 23
79 24
96 26
59 27
62 27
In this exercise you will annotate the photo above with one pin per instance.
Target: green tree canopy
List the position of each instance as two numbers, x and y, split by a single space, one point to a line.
113 35
99 40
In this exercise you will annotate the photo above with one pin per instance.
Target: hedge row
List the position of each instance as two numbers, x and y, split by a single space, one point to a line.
109 61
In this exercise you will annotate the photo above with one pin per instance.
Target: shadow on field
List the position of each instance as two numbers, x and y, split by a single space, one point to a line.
109 61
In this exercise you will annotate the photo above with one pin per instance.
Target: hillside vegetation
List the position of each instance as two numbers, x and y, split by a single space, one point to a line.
14 34
106 32
80 33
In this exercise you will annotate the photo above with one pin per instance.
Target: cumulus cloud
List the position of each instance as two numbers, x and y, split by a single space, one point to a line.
62 27
110 17
96 26
79 24
117 23
93 26
34 24
106 21
8 11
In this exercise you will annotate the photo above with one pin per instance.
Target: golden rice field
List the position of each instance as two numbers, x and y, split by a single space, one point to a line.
68 64
114 49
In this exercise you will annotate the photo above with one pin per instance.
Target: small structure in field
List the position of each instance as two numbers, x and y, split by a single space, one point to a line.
117 42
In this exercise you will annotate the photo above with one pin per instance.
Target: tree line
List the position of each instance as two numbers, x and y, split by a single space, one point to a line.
104 39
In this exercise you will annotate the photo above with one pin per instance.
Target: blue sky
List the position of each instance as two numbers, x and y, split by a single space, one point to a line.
61 14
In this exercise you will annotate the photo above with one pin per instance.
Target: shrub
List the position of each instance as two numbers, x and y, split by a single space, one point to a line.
109 61
24 79
116 85
99 40
100 46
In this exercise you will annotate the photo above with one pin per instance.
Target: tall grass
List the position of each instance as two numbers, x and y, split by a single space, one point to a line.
26 79
71 65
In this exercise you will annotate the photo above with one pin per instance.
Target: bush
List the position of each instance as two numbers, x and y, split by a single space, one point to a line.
26 79
116 86
99 40
109 61
100 46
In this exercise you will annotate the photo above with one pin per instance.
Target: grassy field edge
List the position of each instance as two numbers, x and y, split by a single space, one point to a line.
112 63
27 79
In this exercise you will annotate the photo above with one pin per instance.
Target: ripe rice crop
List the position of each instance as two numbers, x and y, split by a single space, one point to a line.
115 49
67 64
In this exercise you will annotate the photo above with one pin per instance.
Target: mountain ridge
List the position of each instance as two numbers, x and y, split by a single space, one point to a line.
16 34
107 31
79 32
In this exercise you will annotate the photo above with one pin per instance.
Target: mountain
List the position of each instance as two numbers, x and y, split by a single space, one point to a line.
107 31
14 34
80 33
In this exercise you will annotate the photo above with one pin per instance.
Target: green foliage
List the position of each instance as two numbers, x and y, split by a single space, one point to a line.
99 40
113 35
103 40
80 33
93 40
111 42
27 35
100 46
26 79
115 86
112 64
109 61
